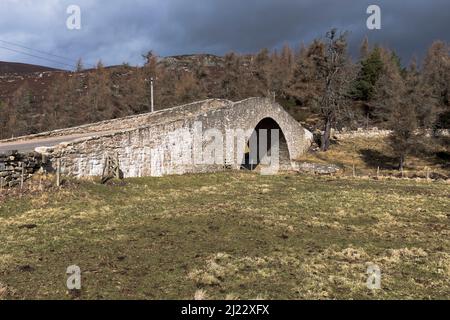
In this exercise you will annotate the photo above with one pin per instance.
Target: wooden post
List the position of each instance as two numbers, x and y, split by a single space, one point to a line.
1 184
105 166
378 172
117 166
428 174
58 172
22 176
354 171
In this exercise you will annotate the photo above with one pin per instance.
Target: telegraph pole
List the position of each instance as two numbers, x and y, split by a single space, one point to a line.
151 93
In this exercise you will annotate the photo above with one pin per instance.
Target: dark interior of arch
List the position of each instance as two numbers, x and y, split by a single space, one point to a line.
268 124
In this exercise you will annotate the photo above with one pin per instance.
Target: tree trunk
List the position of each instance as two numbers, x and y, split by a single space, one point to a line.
326 136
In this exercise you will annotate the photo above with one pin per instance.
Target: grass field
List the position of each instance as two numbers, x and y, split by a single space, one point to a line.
369 154
229 235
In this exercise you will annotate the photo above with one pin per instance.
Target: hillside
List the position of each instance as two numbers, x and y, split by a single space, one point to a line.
42 100
372 156
47 100
21 68
38 79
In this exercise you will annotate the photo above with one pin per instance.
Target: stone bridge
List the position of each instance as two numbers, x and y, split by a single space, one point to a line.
162 143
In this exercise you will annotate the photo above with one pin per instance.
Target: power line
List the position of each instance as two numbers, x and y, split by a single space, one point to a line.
35 50
38 57
45 53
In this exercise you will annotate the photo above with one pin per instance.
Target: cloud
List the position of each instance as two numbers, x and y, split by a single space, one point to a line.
117 31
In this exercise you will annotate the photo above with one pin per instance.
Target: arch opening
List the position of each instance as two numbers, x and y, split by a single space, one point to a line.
252 160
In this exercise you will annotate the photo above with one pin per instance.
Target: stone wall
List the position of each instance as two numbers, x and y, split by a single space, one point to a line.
13 164
362 133
379 133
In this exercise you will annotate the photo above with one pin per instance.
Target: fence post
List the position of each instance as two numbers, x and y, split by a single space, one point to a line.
22 176
378 172
58 172
117 166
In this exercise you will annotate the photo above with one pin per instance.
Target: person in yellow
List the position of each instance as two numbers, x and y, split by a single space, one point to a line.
247 148
247 152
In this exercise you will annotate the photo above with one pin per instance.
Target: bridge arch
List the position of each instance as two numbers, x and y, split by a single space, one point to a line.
256 112
266 124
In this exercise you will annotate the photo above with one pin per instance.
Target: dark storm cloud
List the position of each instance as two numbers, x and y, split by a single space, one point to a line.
118 30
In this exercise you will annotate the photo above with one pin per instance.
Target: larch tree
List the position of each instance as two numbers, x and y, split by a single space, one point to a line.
19 110
304 85
392 100
151 64
261 71
420 93
364 49
231 83
281 69
436 73
187 88
79 67
97 101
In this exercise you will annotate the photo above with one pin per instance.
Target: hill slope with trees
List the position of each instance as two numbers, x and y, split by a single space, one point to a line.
319 84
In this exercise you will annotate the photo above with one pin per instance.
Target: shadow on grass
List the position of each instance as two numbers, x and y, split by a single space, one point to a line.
375 159
443 157
434 150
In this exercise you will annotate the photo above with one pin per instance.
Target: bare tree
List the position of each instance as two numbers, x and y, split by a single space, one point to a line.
151 62
334 71
364 49
187 88
79 66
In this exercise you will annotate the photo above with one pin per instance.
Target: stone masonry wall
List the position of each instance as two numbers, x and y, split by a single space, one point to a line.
11 165
164 145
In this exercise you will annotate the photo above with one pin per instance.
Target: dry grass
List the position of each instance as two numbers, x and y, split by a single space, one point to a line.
200 295
369 154
229 236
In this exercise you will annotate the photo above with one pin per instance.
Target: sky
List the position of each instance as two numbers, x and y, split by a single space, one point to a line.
118 31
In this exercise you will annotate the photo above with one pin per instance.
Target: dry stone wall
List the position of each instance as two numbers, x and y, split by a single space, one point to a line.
379 133
15 166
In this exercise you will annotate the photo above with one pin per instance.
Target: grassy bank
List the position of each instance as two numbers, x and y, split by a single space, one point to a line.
231 236
369 155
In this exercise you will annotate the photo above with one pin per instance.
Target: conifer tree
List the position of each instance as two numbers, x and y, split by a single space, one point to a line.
369 73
